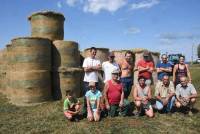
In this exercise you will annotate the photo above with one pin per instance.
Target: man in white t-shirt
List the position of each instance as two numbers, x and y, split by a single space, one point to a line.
91 67
109 66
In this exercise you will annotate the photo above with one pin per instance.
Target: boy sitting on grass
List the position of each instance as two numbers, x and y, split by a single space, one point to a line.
93 97
71 107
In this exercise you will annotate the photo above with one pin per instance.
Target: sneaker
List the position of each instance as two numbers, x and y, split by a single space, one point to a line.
136 114
190 113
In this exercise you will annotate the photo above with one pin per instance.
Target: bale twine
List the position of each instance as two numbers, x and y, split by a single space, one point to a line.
47 24
29 87
65 54
154 56
30 53
66 79
102 54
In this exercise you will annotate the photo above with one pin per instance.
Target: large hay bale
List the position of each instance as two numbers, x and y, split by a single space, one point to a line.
120 55
47 24
65 54
67 79
30 53
102 54
29 87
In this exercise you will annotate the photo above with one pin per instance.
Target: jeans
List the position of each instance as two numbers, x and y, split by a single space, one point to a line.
168 107
127 83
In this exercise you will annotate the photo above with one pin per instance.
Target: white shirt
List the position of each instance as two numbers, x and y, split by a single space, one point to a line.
108 67
91 76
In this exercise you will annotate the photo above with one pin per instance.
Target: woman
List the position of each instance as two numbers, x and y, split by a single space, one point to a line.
181 69
142 95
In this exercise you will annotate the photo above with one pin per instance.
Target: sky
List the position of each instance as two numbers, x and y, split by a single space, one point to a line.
165 26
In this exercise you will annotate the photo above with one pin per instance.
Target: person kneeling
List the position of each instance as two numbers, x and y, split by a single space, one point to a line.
114 95
142 95
72 107
165 94
93 97
186 94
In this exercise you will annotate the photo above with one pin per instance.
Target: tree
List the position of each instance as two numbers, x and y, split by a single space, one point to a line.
198 51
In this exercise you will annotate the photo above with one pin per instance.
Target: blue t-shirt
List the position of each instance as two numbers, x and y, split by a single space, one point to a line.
93 97
163 65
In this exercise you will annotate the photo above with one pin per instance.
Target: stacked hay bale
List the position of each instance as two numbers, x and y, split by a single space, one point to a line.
3 68
66 68
139 55
47 24
29 75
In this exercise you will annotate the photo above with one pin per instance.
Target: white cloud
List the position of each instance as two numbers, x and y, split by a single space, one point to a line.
144 4
59 4
72 2
132 30
95 6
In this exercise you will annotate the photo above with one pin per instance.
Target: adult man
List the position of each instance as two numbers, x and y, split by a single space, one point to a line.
165 94
91 67
145 67
127 73
109 66
163 67
142 96
186 94
114 95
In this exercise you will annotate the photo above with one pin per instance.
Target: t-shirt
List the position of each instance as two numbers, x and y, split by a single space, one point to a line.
108 67
144 64
163 65
185 91
91 76
68 103
93 97
164 91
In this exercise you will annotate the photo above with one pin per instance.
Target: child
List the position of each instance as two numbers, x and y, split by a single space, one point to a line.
71 107
93 97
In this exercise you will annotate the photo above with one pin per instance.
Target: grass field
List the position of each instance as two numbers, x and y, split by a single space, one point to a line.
48 118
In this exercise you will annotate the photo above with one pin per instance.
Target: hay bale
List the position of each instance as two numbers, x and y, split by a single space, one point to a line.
102 54
29 87
65 54
30 53
67 79
47 24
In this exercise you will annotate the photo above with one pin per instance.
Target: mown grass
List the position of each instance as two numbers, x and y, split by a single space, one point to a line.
48 118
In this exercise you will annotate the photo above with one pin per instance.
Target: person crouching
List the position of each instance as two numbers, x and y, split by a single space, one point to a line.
72 107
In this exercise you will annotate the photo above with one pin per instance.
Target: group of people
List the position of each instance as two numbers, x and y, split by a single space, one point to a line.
118 85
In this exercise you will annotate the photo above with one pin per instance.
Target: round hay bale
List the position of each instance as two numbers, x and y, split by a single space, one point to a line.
65 54
47 24
29 87
120 55
102 53
67 79
30 53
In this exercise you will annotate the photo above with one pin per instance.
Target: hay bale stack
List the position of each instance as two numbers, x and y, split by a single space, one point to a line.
65 54
67 79
139 55
29 77
102 54
3 68
47 24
